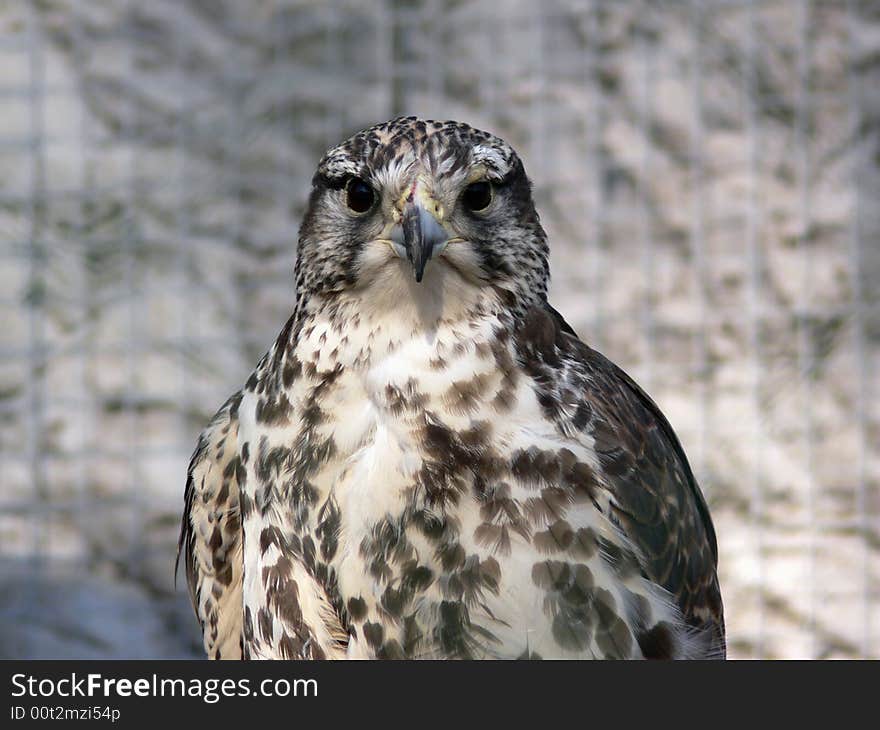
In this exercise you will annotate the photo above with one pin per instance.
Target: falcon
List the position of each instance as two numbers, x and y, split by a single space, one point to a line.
428 462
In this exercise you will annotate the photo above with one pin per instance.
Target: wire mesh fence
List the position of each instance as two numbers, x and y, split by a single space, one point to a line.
708 174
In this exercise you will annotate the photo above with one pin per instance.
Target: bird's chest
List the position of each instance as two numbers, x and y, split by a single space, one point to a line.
416 483
390 425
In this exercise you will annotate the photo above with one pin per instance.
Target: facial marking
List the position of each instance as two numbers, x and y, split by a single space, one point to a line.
412 163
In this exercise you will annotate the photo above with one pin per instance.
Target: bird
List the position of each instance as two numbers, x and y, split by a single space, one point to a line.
428 463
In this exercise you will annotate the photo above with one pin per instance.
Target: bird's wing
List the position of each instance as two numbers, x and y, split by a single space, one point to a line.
211 535
656 499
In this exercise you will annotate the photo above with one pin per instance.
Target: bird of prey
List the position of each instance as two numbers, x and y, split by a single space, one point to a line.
428 462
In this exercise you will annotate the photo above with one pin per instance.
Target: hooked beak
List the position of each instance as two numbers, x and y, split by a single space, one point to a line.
423 236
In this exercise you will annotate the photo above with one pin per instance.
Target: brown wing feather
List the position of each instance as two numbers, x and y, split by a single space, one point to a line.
210 534
657 500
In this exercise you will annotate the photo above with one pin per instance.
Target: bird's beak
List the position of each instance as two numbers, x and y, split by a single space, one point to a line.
423 236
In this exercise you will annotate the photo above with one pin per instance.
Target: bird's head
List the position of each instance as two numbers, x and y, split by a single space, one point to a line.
412 206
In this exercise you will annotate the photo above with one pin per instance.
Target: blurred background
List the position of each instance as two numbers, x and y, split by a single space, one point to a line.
709 175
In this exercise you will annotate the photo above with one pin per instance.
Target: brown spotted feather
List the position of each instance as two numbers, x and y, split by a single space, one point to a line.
210 535
656 501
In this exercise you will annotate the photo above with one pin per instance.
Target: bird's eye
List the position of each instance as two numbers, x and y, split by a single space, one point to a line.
359 195
477 196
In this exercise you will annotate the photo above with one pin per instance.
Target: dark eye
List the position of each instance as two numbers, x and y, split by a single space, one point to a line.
477 196
360 196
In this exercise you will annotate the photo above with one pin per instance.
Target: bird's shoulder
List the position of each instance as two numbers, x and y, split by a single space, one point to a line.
656 500
210 540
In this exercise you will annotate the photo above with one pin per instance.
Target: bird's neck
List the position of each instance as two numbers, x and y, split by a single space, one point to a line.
356 328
